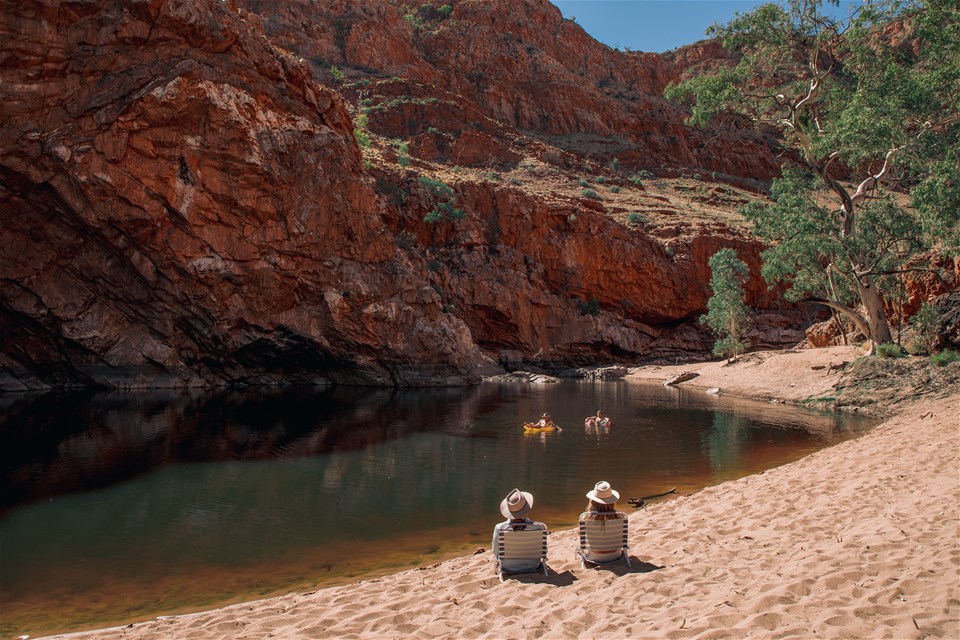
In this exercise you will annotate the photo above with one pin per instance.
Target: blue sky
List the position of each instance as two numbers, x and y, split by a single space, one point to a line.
653 25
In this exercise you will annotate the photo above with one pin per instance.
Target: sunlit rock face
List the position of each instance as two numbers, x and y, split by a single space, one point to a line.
184 203
520 63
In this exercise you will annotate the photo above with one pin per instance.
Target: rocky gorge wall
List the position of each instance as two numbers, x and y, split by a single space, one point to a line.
183 204
520 63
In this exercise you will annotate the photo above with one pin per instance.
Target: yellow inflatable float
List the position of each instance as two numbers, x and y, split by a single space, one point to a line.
531 427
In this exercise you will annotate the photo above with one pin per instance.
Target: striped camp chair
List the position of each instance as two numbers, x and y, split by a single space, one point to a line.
602 541
522 550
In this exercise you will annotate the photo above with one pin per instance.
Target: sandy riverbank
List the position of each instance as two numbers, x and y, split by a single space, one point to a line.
861 540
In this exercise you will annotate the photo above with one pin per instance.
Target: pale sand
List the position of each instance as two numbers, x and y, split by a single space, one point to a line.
861 540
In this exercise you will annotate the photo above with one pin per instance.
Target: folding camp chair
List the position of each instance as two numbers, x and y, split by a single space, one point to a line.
602 541
522 550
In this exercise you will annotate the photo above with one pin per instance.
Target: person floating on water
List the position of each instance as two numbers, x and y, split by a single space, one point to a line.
545 423
597 421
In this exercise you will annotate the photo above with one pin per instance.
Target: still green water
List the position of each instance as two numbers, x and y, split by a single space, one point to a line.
119 507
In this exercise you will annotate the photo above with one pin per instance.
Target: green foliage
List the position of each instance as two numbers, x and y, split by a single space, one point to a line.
583 182
336 73
425 15
890 350
615 189
637 218
926 322
727 314
944 358
360 130
436 190
615 164
844 90
809 249
493 176
403 153
590 193
444 202
601 179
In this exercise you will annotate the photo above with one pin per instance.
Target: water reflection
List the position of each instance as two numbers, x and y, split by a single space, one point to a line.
724 443
156 502
60 442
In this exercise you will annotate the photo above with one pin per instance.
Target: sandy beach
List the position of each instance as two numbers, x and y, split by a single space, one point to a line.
860 540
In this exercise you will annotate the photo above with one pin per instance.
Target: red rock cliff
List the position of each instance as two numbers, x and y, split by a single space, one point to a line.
524 65
182 204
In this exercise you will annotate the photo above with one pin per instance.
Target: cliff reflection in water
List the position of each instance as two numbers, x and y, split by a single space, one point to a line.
125 505
58 443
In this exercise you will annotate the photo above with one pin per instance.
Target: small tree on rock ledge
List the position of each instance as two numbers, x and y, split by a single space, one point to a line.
727 314
444 203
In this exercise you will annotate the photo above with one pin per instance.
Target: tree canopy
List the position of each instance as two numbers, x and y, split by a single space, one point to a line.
868 107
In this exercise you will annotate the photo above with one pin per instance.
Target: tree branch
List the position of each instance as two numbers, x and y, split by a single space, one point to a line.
907 270
871 183
846 311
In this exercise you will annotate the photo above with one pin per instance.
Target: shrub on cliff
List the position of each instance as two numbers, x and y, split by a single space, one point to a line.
403 153
360 130
444 202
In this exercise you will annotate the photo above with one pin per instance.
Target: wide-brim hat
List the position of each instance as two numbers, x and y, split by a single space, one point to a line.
603 494
517 504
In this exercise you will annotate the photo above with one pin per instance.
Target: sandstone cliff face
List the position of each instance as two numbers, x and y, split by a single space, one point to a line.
558 281
523 65
182 203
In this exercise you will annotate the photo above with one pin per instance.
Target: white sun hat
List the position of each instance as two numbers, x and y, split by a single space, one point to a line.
603 494
517 504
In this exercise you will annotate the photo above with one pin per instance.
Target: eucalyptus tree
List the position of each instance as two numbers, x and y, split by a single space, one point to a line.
867 108
727 314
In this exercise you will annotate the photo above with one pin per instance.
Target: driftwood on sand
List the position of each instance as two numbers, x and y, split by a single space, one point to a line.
640 503
680 377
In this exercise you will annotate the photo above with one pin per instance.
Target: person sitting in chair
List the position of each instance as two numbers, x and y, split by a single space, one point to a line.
515 508
603 507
